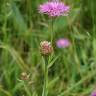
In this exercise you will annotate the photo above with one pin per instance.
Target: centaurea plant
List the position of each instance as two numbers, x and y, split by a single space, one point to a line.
52 8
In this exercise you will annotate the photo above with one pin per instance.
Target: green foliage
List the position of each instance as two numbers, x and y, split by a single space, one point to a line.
72 70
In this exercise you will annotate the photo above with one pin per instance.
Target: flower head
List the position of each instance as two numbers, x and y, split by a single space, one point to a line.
93 93
62 43
46 48
24 76
54 8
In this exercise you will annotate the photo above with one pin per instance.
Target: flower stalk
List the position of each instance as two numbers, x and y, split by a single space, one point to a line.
46 49
45 89
51 27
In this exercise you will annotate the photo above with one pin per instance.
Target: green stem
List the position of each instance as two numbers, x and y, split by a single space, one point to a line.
45 90
51 27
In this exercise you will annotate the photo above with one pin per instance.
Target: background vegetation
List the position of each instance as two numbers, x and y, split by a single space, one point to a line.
72 71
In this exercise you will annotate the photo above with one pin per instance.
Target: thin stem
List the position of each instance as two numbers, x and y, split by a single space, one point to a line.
45 90
51 27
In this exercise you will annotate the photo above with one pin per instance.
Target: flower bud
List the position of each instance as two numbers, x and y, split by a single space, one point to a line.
46 48
24 76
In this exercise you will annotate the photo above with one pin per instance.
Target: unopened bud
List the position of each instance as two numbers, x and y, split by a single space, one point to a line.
24 76
46 48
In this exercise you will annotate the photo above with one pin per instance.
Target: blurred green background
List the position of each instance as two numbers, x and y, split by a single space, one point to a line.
72 71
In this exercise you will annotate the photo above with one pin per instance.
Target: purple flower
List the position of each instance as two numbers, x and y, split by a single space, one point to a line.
62 43
54 8
93 93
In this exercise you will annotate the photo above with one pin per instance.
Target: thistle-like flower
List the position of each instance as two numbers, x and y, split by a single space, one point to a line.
63 43
46 48
54 8
93 93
